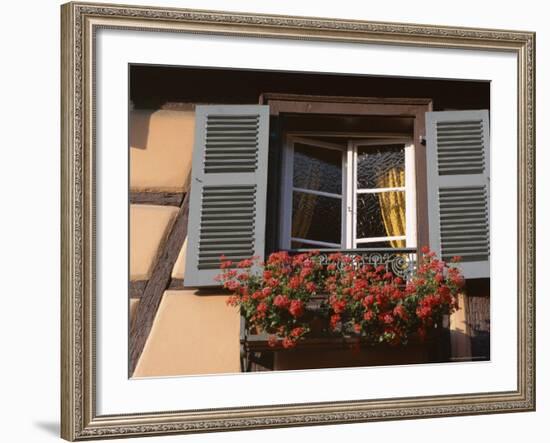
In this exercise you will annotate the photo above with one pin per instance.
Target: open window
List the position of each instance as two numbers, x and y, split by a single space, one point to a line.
349 193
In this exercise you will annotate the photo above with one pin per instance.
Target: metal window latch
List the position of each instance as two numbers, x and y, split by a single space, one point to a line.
422 140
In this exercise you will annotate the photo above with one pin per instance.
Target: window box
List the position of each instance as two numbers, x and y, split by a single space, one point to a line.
326 350
341 302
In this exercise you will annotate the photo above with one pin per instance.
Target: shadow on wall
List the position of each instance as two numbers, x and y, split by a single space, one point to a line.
161 148
139 125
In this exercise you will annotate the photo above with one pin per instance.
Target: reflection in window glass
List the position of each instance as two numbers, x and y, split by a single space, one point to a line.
381 214
381 244
301 245
380 167
316 217
318 169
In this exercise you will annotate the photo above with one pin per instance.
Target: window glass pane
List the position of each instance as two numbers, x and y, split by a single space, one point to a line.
383 244
319 169
380 166
301 245
316 217
381 214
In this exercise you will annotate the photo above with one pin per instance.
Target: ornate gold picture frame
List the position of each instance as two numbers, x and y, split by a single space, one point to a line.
80 23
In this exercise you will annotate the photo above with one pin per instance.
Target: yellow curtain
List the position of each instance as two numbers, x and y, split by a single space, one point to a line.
301 219
392 205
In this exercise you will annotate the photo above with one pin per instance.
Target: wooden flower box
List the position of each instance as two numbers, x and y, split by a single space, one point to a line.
323 350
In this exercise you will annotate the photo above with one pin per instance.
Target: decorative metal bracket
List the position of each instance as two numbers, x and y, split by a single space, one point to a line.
400 261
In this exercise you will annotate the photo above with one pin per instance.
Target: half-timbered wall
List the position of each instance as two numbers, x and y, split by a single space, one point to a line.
188 333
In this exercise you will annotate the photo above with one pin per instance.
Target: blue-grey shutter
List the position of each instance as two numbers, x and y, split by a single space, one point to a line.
457 145
228 189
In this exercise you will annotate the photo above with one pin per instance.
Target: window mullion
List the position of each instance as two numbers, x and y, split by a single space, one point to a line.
350 195
344 208
380 190
354 196
314 192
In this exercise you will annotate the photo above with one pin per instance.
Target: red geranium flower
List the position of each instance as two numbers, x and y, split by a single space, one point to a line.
458 280
369 315
400 312
247 263
423 312
288 343
281 301
226 264
386 318
297 332
294 282
368 300
334 319
262 307
444 291
338 306
296 308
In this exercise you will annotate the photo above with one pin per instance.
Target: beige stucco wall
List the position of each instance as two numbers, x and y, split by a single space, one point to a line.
192 334
149 224
161 149
461 348
179 266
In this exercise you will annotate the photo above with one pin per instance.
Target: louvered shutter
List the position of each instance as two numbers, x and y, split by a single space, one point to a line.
228 189
457 144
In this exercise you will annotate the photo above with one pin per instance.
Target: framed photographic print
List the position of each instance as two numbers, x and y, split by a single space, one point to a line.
280 221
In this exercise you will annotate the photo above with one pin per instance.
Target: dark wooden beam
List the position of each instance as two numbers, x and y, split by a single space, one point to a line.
136 288
157 198
156 285
272 96
315 104
176 283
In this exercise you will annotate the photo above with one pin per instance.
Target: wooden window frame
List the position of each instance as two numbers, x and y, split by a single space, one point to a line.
415 108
